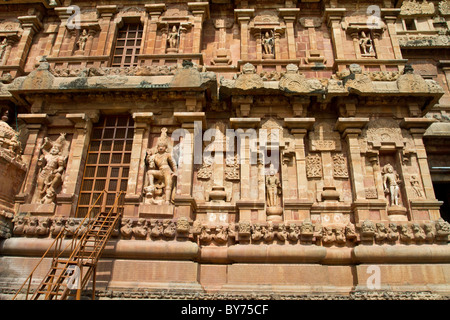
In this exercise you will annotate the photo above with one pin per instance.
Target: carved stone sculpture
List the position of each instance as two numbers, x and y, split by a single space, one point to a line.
273 191
82 39
268 44
162 170
391 183
52 165
365 42
172 40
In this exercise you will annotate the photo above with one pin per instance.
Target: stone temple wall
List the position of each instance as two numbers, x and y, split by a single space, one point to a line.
268 149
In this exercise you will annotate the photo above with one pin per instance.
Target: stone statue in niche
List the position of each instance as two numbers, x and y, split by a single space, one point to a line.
82 39
365 42
391 183
52 165
268 44
273 187
162 171
172 39
273 191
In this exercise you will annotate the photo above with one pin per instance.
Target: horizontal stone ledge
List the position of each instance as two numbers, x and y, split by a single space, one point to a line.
402 254
126 249
248 253
276 253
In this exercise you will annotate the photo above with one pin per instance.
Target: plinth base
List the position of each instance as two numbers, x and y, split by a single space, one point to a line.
397 213
274 214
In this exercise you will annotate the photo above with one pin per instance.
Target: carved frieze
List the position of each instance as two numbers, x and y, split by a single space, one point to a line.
413 7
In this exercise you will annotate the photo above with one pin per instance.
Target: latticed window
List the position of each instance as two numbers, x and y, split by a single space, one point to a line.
128 45
107 164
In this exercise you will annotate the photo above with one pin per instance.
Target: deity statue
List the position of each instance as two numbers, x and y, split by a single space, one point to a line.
268 43
365 43
391 183
52 165
172 38
273 188
82 40
162 169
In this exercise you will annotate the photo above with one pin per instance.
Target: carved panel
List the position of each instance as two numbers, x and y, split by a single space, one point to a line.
314 166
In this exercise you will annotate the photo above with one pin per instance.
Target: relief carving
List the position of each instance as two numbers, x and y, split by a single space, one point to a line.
340 166
52 164
313 166
391 182
161 175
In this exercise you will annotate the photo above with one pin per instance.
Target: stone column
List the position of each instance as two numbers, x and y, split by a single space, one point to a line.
289 16
37 130
334 17
155 11
68 198
243 17
105 14
184 201
31 25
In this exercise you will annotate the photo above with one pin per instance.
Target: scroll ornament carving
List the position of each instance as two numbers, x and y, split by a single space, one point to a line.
340 166
232 168
313 166
205 172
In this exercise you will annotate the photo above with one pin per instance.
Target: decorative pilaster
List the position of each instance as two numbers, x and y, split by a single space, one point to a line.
299 209
68 199
184 201
243 17
136 175
155 11
417 127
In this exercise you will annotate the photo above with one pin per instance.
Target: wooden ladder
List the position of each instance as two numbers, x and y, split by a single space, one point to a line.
69 273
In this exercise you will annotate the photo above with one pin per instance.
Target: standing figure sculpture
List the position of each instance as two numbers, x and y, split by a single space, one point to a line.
172 38
268 43
365 43
391 183
82 40
273 188
52 164
162 169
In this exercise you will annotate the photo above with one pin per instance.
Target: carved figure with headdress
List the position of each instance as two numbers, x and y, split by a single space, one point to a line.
52 165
